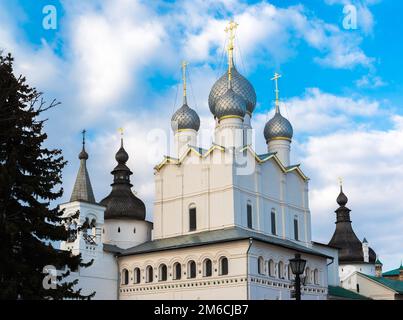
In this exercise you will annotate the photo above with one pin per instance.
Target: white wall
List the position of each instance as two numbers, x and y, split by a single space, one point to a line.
126 233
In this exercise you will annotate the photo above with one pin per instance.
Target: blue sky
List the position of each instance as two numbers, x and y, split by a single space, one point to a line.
117 63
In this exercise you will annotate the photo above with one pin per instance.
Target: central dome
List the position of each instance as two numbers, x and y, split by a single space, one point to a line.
239 84
230 104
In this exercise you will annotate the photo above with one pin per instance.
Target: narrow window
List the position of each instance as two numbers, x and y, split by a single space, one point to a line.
136 275
207 266
162 273
191 269
125 276
223 266
307 275
177 271
260 265
289 271
118 229
192 219
273 222
134 230
249 215
149 274
358 287
272 269
296 229
281 270
316 276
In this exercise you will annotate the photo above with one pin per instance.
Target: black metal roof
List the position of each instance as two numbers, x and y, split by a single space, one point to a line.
121 203
216 236
345 238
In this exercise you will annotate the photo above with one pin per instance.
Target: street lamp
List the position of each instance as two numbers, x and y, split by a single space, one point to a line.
297 268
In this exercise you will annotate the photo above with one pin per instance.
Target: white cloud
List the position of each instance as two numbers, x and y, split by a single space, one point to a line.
370 81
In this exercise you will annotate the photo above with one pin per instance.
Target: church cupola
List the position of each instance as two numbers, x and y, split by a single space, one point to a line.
351 249
239 84
232 101
121 203
185 122
82 190
278 131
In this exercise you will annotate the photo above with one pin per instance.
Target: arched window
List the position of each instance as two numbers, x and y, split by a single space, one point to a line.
177 271
162 272
289 272
272 268
192 218
273 221
207 268
223 266
118 229
260 265
191 269
125 276
137 275
307 275
281 270
316 276
249 214
149 274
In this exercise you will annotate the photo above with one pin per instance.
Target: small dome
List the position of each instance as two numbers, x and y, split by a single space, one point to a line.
230 104
121 156
342 199
83 155
278 127
239 84
185 118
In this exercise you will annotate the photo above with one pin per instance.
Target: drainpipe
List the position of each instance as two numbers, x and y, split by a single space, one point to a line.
247 268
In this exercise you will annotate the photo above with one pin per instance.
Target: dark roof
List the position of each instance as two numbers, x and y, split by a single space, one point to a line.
341 293
112 248
394 272
345 238
82 190
121 203
216 236
395 285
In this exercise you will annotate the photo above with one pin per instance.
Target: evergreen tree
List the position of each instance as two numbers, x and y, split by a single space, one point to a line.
30 178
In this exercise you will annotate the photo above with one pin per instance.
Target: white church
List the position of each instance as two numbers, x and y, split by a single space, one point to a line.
226 220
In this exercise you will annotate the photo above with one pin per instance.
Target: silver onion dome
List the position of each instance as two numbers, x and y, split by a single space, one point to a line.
278 127
230 104
185 118
239 84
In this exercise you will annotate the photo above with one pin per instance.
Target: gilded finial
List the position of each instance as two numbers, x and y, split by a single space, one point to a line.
184 64
121 130
230 29
275 79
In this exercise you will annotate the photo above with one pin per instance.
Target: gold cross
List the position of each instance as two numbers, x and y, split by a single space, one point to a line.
275 78
184 64
230 29
121 131
340 181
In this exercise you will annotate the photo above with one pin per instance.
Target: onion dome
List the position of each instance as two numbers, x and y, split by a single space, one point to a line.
121 203
278 127
185 118
230 104
344 237
240 85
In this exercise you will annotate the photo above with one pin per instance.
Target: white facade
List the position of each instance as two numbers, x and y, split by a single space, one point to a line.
244 279
102 276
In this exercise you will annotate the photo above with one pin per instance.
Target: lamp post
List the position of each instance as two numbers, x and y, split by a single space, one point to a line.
297 268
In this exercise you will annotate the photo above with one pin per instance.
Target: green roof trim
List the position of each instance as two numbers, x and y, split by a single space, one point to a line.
217 236
394 272
395 285
345 294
